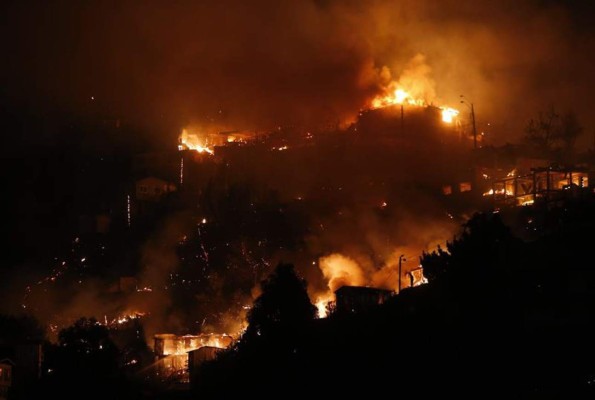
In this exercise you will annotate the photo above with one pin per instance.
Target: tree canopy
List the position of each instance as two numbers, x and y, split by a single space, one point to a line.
283 306
551 131
478 256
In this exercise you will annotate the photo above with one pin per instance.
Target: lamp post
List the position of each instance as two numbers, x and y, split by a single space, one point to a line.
401 260
472 121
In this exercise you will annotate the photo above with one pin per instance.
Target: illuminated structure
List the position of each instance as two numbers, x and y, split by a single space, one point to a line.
172 352
541 184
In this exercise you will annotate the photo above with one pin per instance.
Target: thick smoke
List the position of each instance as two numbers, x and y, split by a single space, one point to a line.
262 64
259 64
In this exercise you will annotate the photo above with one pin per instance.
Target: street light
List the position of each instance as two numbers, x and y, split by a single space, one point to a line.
401 260
472 121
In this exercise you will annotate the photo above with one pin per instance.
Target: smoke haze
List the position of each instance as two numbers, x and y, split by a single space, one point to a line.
259 64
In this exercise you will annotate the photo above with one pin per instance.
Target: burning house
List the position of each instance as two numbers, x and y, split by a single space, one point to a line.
174 354
547 184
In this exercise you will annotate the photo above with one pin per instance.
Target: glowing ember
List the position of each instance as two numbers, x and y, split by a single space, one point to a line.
181 171
128 211
124 318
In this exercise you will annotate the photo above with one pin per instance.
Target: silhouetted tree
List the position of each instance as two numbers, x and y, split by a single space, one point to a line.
274 344
282 309
570 130
541 132
84 356
551 131
435 264
480 256
16 329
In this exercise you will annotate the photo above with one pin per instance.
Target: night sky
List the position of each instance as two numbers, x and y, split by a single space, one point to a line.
160 66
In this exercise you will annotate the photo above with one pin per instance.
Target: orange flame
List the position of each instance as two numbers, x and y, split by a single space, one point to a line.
338 270
179 345
415 87
400 96
194 142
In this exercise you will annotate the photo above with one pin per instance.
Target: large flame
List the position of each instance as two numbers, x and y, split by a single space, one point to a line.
322 304
448 114
400 96
195 142
340 270
180 345
395 97
415 87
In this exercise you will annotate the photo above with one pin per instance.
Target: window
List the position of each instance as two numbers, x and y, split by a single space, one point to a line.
465 187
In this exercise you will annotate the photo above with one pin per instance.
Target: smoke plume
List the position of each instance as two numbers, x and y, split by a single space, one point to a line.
266 63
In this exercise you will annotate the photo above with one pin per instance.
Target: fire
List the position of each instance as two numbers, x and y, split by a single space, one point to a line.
414 87
395 97
417 276
169 344
399 96
194 142
340 270
123 318
448 114
499 192
322 303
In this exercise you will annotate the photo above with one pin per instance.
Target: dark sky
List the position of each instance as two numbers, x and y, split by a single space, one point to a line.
257 64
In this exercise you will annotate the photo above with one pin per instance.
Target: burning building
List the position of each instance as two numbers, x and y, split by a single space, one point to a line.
175 353
545 184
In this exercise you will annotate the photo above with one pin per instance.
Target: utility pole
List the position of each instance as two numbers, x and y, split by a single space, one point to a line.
402 124
474 127
472 120
401 259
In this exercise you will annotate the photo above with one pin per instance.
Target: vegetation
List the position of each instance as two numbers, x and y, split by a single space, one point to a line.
551 132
